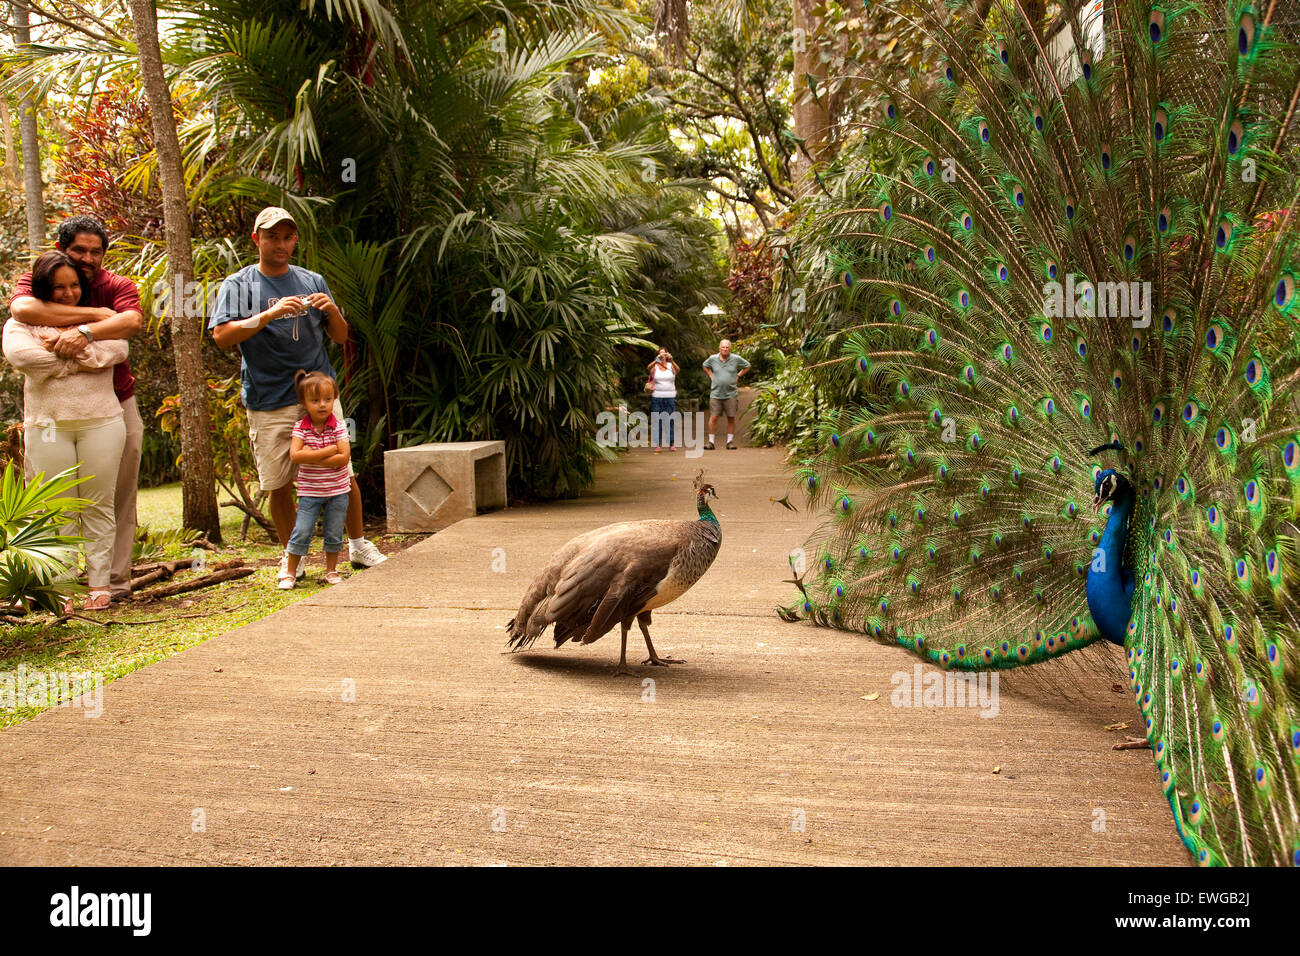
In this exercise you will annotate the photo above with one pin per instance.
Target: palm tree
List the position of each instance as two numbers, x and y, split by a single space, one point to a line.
198 481
32 185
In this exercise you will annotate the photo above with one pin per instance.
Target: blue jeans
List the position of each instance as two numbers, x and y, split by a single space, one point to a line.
309 509
664 407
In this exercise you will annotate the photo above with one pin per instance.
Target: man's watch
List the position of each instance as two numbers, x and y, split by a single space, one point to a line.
85 330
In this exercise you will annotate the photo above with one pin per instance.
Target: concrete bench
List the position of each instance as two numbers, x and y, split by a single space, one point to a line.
429 487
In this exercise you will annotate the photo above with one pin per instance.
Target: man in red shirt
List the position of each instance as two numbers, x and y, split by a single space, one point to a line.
112 312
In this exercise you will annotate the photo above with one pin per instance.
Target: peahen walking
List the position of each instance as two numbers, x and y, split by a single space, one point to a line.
616 574
1065 302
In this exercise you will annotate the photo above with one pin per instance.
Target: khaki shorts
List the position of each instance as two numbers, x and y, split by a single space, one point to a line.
271 433
723 406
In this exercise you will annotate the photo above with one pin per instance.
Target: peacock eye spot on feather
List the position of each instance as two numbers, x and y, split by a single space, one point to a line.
1156 26
886 212
1002 273
1160 125
1167 320
1289 452
1105 157
1252 372
1051 269
984 131
1163 219
1130 249
1045 333
1235 134
967 223
862 365
929 167
1069 210
1245 34
1284 293
1118 379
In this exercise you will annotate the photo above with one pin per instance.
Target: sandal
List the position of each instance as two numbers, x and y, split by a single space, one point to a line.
333 577
98 601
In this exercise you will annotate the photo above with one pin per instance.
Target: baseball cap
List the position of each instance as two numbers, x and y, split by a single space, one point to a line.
271 215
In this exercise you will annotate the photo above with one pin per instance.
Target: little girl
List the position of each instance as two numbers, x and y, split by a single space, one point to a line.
320 450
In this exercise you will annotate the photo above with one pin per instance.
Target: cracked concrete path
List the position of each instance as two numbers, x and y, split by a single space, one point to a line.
759 749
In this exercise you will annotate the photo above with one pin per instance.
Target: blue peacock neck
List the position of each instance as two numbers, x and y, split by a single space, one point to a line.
1110 580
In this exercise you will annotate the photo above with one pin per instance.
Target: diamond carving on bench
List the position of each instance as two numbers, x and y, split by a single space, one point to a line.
428 490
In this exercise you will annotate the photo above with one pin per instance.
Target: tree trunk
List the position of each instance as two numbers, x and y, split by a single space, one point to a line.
814 117
198 477
31 145
12 176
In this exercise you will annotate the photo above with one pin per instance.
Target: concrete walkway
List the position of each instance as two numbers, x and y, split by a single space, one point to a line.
759 749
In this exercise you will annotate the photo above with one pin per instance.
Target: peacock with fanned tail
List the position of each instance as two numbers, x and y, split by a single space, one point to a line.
1064 315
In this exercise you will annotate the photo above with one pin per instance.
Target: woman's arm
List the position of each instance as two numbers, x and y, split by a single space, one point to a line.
25 352
97 355
677 370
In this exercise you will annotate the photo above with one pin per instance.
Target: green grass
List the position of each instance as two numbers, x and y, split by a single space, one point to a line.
147 633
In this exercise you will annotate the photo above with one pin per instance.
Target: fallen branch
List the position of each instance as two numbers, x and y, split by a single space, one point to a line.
202 542
194 584
1133 743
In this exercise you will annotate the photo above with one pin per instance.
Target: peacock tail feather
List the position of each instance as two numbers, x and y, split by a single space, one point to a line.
1085 235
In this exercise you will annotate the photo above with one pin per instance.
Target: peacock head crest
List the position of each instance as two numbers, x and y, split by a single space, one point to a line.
1109 484
1106 485
703 490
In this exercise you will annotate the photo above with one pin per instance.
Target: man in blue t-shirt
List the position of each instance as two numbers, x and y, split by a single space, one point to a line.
279 315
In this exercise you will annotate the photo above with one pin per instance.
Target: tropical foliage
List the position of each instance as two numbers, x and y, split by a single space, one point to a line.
36 558
494 232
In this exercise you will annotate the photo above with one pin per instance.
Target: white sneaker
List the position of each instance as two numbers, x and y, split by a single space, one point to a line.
284 568
366 555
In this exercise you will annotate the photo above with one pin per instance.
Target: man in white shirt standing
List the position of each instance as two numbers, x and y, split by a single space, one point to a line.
725 370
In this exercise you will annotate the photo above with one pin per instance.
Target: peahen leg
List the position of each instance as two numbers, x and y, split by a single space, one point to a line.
622 654
643 620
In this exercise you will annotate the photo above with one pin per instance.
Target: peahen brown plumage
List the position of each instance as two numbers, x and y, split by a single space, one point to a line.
617 574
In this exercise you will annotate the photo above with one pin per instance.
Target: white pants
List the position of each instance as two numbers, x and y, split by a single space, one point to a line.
94 447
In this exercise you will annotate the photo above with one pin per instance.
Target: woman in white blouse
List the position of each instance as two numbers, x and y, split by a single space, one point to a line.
71 416
663 400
